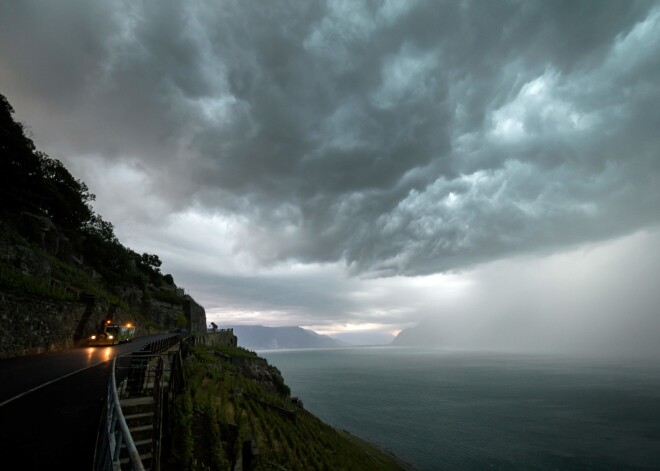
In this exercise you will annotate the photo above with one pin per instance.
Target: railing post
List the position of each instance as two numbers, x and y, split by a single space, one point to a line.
125 434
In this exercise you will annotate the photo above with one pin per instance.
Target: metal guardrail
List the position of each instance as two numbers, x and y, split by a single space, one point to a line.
140 375
114 433
158 346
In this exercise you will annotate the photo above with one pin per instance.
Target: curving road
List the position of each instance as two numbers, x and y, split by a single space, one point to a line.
51 404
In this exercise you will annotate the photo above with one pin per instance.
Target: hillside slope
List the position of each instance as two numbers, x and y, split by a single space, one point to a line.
237 410
63 272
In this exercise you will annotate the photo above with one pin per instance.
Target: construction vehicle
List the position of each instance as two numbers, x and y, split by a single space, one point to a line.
113 334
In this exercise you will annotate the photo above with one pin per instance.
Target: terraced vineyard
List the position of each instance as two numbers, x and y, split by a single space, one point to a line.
237 408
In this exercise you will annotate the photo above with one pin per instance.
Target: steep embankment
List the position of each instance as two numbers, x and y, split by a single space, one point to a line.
237 409
63 273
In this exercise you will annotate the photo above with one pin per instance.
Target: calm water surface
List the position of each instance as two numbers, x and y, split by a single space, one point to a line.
457 410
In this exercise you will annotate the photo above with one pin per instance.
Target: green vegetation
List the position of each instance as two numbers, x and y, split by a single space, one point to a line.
233 397
167 297
15 280
65 248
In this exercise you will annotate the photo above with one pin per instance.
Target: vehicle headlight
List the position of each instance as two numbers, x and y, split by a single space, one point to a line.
93 337
110 337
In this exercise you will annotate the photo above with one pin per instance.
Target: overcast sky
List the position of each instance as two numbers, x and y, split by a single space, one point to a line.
359 166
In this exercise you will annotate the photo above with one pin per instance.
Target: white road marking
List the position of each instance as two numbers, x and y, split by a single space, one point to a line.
18 396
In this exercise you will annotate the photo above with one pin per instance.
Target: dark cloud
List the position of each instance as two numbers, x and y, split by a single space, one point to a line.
396 137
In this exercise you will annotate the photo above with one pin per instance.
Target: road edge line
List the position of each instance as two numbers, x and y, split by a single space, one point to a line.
24 393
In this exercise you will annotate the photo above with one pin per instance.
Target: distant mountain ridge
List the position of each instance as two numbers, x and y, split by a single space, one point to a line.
259 337
424 334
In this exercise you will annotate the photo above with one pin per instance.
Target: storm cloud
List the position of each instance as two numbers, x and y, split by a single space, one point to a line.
382 139
398 137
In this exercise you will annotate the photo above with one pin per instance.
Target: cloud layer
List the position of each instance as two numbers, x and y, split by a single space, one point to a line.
359 166
395 137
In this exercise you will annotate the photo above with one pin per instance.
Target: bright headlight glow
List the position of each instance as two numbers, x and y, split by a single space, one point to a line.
110 336
93 337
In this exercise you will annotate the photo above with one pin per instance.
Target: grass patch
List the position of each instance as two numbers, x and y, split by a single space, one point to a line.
16 281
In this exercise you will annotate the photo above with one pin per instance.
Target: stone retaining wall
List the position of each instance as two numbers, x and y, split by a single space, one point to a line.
32 325
222 338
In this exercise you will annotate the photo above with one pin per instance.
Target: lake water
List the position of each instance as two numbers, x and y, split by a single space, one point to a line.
459 410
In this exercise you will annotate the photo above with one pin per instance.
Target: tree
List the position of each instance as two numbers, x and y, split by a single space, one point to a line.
67 200
103 229
152 262
33 182
21 166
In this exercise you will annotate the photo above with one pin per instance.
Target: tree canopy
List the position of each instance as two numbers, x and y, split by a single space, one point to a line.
34 183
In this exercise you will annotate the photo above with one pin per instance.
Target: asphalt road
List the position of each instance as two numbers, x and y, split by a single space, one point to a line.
51 405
